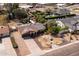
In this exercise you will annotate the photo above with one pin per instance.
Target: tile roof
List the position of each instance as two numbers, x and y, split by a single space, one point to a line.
4 30
31 27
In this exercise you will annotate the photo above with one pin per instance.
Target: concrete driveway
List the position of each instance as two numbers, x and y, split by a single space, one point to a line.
3 50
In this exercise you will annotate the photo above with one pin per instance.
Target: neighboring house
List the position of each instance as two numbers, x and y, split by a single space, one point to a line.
39 6
60 5
63 11
74 9
4 31
50 6
1 6
24 5
43 7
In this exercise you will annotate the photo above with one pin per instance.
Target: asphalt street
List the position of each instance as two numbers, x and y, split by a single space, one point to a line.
71 49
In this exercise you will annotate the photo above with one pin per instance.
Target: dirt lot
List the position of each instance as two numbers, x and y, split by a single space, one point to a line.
3 20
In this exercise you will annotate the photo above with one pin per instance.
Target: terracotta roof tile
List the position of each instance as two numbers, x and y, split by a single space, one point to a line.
4 29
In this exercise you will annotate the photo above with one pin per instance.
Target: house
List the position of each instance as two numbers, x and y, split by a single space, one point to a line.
31 29
4 31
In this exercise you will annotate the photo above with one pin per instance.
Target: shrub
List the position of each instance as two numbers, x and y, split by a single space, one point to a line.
62 16
39 16
14 43
56 30
20 13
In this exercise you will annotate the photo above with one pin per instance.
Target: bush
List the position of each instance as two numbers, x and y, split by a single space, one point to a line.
63 16
14 43
56 30
39 16
20 13
50 25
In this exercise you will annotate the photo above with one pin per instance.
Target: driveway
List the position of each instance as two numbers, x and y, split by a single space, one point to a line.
33 47
3 50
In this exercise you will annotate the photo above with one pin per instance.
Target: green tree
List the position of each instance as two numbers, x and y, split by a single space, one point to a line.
56 30
39 16
50 25
20 13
